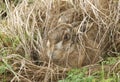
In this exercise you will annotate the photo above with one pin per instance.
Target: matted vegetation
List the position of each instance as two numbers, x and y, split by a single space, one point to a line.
60 40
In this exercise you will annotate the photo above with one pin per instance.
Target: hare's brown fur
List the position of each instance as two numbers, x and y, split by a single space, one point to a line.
68 48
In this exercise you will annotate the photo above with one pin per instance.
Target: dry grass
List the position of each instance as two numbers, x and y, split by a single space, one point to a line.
98 23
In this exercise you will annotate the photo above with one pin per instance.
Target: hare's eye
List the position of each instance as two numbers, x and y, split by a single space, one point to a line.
67 37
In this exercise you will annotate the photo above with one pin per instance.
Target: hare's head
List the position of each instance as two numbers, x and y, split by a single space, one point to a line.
59 41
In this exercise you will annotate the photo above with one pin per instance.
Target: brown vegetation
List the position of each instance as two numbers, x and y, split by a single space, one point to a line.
55 35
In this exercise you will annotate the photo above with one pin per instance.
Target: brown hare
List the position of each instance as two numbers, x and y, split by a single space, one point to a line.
68 48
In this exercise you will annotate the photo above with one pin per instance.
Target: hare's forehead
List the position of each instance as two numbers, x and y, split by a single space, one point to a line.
58 33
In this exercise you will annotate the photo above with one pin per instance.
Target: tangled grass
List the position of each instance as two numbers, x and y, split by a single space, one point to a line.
24 28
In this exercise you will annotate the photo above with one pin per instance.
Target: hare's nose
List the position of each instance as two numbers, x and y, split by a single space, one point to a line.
51 55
